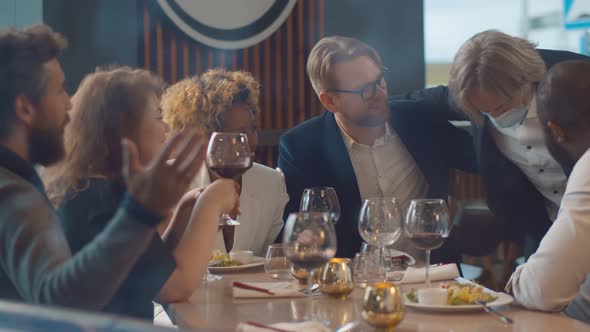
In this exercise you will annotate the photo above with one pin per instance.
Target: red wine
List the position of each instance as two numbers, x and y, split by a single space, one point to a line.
308 262
229 172
427 241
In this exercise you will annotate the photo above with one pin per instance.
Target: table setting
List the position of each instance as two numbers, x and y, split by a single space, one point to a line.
301 286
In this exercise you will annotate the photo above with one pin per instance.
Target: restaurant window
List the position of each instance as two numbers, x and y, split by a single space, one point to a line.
449 23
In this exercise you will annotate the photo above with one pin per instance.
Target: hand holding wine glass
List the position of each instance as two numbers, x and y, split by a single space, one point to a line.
380 225
228 156
320 199
427 225
309 241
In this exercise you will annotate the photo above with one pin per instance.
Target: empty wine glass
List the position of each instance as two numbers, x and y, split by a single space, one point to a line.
427 225
320 199
228 156
380 225
309 241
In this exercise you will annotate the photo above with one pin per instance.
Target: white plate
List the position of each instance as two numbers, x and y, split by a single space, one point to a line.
503 299
256 262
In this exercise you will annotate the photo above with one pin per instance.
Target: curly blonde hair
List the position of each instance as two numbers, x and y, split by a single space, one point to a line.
200 102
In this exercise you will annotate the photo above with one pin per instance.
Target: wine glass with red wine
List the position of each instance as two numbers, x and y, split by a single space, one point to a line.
427 225
228 156
309 242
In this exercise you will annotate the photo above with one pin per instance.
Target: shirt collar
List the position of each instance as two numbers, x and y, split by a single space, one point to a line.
14 163
349 141
532 110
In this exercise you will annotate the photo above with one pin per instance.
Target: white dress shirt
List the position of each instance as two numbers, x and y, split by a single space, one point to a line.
524 145
387 169
552 276
262 203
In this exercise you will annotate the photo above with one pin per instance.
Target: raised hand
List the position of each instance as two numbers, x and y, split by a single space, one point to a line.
159 185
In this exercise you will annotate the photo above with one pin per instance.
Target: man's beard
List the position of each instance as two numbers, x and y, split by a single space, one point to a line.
561 156
46 144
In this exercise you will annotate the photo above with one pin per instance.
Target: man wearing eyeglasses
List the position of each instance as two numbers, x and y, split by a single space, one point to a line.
364 147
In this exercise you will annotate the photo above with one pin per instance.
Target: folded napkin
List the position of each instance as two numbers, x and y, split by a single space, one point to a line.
242 290
287 327
437 273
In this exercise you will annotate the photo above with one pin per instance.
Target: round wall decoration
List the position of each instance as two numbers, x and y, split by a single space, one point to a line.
228 24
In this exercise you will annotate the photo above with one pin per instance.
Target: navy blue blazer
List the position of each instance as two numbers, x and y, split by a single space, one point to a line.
517 205
314 154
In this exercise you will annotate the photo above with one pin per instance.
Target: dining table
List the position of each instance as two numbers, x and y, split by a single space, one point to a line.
212 307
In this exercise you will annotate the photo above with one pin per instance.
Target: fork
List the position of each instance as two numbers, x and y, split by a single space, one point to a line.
502 317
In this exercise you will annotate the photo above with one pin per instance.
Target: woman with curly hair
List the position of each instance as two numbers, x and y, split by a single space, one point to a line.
86 187
227 101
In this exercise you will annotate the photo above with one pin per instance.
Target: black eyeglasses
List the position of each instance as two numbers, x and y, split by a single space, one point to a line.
368 91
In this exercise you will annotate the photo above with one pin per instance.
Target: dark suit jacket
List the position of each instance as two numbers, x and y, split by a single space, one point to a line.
314 154
518 206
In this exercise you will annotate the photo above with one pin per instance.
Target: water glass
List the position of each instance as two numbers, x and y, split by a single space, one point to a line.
395 266
380 225
276 264
365 269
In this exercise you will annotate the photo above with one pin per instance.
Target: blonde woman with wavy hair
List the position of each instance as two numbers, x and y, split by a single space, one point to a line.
493 82
227 101
87 187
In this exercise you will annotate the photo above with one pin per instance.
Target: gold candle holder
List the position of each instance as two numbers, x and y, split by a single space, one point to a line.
383 306
336 278
301 275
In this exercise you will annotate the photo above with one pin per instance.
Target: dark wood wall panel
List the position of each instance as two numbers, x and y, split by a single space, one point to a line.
278 62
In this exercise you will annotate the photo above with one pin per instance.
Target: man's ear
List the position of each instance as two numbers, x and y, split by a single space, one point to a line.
24 109
557 132
328 101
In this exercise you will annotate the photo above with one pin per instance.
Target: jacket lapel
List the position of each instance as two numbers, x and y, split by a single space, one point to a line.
338 160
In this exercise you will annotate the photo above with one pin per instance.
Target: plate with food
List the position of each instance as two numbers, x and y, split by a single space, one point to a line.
461 295
239 261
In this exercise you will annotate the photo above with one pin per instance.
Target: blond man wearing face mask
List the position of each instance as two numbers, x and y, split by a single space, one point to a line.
493 82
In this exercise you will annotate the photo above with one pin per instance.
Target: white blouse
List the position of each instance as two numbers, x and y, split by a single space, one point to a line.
262 203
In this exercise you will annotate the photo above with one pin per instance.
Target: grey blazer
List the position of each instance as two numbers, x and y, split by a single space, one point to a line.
36 264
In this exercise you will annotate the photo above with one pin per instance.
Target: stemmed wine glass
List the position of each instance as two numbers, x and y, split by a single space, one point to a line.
228 156
427 225
380 225
309 242
320 199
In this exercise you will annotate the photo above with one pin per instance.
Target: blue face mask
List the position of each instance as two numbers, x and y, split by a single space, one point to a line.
509 118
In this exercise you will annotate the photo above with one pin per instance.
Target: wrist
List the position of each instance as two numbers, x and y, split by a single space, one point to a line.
144 214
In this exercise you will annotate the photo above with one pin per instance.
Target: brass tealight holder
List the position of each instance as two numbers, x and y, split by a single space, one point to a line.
383 306
336 278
